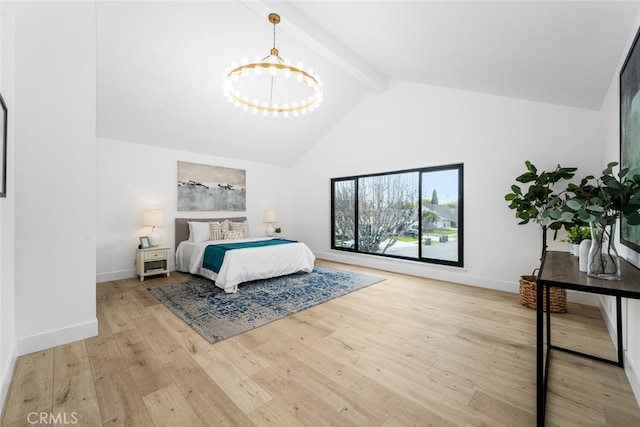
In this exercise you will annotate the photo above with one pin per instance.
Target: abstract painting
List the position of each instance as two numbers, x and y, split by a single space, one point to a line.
210 188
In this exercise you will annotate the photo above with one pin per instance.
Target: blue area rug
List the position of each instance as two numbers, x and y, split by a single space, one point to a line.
216 315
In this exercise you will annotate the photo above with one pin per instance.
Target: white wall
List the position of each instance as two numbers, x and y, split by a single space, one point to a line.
413 125
7 211
55 152
631 308
133 177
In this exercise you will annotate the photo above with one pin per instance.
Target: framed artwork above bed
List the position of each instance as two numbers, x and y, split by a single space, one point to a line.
211 188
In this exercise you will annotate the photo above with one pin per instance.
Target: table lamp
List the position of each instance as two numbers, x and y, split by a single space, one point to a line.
270 217
153 218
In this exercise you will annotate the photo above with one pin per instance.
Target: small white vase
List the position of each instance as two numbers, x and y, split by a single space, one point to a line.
575 250
583 254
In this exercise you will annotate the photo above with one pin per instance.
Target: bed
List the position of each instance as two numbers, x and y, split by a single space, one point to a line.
240 265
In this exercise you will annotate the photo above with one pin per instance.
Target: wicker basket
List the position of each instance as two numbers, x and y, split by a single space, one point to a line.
557 298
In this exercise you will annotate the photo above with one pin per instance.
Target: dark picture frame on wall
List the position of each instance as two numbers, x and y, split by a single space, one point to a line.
3 150
630 130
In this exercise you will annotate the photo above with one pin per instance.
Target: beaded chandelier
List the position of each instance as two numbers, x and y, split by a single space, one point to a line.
272 85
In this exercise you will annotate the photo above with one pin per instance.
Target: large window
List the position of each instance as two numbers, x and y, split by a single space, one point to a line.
413 214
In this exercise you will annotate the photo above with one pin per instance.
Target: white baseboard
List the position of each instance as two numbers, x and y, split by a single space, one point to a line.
632 375
440 272
115 275
122 274
630 369
6 374
57 337
608 321
583 298
429 271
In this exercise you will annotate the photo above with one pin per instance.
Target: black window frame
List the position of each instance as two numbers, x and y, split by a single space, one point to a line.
460 223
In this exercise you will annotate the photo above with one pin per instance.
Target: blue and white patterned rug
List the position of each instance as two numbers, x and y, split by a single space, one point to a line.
216 315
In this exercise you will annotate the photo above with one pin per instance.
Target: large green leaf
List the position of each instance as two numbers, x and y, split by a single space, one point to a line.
567 217
574 204
585 216
555 225
530 166
634 219
527 177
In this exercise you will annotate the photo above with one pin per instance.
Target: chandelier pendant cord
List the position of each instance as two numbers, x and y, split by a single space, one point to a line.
276 55
271 94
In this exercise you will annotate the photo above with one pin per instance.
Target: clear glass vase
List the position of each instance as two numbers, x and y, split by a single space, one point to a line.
603 262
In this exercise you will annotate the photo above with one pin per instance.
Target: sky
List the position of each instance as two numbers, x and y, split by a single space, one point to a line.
445 182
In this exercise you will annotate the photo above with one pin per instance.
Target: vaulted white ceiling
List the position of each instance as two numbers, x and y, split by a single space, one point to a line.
160 64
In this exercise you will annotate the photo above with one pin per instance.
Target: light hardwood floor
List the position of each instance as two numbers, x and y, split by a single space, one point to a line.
406 351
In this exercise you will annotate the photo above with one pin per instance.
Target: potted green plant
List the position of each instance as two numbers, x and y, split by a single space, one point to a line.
576 234
535 203
539 199
600 202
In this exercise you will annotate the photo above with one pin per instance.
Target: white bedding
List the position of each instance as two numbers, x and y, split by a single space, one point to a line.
243 265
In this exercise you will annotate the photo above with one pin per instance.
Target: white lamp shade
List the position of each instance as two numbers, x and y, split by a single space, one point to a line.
153 218
270 216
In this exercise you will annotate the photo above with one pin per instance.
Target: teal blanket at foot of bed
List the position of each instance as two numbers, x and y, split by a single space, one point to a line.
214 254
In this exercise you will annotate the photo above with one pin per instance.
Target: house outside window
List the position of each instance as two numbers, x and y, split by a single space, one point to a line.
412 214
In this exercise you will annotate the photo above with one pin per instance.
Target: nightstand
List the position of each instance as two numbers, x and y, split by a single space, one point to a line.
152 261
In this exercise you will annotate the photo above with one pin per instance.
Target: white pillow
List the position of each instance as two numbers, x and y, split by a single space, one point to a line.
199 231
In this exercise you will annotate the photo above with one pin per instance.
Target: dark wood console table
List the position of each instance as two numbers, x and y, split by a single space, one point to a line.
560 270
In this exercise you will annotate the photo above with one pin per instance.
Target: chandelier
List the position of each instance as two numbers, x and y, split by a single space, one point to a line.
272 85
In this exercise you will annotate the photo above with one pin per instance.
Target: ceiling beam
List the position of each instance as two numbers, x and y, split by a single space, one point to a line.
310 33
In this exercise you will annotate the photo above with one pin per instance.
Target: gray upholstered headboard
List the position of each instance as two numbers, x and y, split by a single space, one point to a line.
182 226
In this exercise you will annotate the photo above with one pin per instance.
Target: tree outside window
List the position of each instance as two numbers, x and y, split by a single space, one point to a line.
383 214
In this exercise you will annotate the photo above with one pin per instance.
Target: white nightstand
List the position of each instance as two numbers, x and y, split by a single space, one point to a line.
152 261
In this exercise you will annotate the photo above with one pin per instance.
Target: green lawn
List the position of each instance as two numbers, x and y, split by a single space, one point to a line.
444 232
